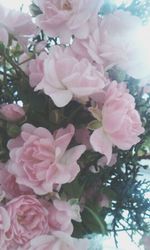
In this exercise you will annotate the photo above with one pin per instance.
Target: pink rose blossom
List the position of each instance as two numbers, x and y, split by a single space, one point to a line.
123 46
36 69
17 23
12 112
3 35
4 227
66 77
121 124
117 40
14 246
40 160
40 46
60 215
66 18
33 67
29 218
58 241
9 186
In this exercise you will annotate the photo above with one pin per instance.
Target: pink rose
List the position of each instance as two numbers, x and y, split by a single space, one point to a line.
29 218
14 246
4 227
121 124
92 46
117 39
17 23
12 112
123 45
9 186
58 241
36 69
40 46
66 77
40 160
67 18
60 215
3 35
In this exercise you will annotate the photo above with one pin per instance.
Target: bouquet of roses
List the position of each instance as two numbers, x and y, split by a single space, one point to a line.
74 123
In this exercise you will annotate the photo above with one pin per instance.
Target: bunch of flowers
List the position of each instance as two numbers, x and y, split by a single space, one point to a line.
72 124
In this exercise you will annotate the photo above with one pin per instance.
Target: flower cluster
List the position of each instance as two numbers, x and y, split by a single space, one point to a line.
64 57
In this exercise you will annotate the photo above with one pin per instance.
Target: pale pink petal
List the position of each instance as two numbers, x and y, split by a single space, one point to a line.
101 143
4 36
63 138
68 18
61 98
39 160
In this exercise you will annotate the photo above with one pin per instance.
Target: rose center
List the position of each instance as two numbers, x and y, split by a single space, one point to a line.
67 6
21 219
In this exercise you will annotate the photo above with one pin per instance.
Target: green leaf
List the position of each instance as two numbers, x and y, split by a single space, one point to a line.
73 190
145 146
109 193
2 48
79 230
117 74
35 10
89 158
94 125
13 130
56 116
92 221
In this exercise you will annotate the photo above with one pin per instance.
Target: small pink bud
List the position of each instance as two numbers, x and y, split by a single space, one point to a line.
11 112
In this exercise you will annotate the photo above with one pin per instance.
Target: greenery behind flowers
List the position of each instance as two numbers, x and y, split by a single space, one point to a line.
120 183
